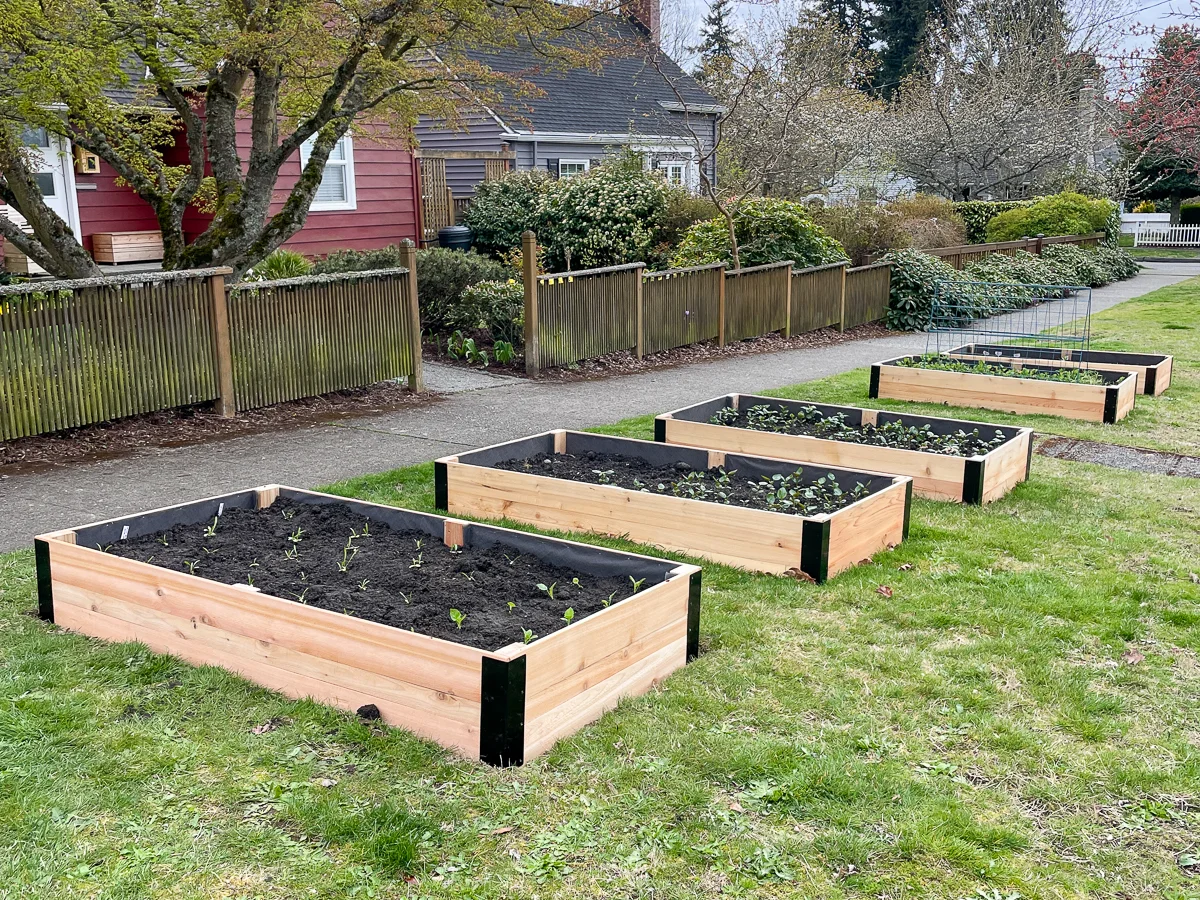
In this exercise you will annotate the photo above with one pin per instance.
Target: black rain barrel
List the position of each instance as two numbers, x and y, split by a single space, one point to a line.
455 237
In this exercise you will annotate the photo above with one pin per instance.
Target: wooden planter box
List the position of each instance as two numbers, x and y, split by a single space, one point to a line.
502 707
1153 370
127 246
1109 402
818 546
975 479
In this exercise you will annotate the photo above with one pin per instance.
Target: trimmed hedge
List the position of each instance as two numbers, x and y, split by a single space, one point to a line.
977 213
1060 214
768 231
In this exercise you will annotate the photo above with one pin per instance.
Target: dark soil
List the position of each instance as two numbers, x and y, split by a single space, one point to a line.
1135 459
681 480
383 581
191 425
811 422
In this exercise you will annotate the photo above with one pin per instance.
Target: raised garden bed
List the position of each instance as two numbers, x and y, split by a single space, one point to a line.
474 680
947 459
1153 370
1026 390
585 482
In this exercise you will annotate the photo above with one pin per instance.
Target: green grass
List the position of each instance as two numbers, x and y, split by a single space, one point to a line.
1126 243
1018 719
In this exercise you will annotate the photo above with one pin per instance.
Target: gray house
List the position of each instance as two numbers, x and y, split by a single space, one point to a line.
637 99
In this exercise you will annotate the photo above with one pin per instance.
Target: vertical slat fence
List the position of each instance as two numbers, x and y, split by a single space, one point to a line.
960 256
586 314
437 203
817 297
867 289
681 307
756 300
303 337
77 352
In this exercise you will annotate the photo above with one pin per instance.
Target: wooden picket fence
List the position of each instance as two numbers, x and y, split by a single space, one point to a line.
572 316
964 254
73 353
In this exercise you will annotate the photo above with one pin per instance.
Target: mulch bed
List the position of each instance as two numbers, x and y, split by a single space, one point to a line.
1135 459
626 362
405 580
192 425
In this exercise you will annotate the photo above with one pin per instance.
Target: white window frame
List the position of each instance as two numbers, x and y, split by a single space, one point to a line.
586 163
351 201
682 165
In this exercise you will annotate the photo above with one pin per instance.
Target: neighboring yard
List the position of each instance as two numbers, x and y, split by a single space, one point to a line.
1003 707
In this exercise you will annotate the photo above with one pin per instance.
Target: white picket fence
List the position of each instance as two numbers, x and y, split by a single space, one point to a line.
1155 235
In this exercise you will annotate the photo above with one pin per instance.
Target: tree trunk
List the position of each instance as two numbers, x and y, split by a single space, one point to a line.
1176 209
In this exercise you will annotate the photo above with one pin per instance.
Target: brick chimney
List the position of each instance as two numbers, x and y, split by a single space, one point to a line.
649 14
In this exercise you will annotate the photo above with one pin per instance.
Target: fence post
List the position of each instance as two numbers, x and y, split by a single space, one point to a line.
529 274
787 319
842 303
222 345
408 255
1037 244
641 330
721 307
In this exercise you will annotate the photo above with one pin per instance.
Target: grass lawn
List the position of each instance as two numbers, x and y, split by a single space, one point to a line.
1016 720
1126 242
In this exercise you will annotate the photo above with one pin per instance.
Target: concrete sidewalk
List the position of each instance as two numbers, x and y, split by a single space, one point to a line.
480 408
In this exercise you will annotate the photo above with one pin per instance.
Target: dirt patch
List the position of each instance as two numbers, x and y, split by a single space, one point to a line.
192 425
406 580
1135 459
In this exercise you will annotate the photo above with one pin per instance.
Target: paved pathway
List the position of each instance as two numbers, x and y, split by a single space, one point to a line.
480 408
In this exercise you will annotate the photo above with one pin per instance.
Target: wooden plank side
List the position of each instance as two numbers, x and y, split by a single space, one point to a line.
418 659
554 660
542 733
78 618
748 538
1162 379
935 476
860 531
1002 392
1126 397
1006 467
1139 370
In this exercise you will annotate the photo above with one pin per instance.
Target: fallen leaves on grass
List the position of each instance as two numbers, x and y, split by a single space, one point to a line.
271 725
884 591
904 567
799 575
1132 658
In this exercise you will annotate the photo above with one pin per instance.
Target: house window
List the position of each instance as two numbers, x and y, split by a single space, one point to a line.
336 190
569 168
675 173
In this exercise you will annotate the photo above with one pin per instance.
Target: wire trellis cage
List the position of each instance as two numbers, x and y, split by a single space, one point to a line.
1010 321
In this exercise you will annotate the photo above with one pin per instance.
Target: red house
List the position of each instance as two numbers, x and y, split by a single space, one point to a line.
369 198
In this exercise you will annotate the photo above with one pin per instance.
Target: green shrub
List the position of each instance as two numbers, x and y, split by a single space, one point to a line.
360 261
442 277
1119 264
1064 213
684 210
768 231
608 216
915 277
280 264
504 209
1146 206
862 229
1189 214
495 306
1022 268
977 213
1076 265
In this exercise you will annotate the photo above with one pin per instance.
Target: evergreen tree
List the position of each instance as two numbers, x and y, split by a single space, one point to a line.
856 17
717 40
901 27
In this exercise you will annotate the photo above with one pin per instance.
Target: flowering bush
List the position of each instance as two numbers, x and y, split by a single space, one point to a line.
767 230
504 209
497 307
605 217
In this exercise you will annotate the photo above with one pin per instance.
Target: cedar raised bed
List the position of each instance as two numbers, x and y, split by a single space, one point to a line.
1153 370
501 706
938 476
1108 402
817 546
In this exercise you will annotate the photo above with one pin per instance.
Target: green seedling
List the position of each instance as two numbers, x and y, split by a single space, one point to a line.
575 581
637 583
511 606
289 514
303 576
250 579
296 536
418 560
457 617
403 596
362 585
192 565
454 548
548 591
366 532
419 542
254 564
527 635
209 552
348 554
604 476
569 615
162 539
469 576
211 530
300 597
292 552
609 601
